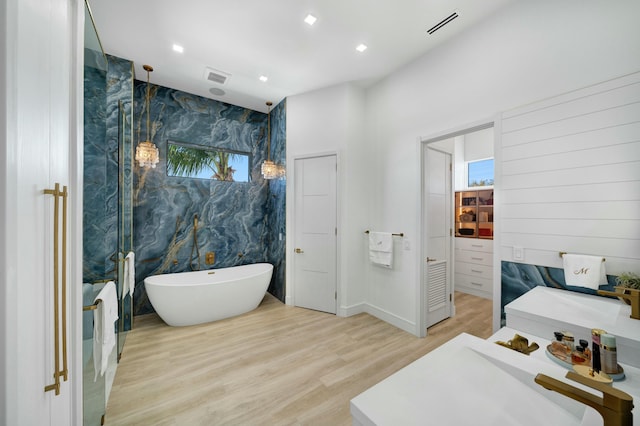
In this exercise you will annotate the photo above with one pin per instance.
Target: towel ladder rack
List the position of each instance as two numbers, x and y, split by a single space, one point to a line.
398 234
562 253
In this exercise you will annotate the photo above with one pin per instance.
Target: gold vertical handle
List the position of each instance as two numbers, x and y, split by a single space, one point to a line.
59 276
65 196
56 332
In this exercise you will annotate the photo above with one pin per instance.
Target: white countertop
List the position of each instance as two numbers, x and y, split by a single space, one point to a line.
543 310
630 384
474 381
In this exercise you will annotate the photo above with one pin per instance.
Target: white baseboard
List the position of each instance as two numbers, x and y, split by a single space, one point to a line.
401 323
396 321
288 300
347 311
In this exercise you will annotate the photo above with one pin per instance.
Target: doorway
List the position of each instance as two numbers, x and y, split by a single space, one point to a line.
437 239
444 254
315 233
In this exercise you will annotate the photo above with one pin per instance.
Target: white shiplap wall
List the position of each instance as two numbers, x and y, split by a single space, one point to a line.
569 176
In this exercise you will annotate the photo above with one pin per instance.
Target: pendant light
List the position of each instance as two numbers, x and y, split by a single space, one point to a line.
269 169
147 154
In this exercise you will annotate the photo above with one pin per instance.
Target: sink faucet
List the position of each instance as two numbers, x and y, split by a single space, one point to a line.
633 297
615 405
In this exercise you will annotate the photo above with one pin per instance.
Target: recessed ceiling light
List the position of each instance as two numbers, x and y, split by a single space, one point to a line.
217 91
310 19
264 78
361 48
178 48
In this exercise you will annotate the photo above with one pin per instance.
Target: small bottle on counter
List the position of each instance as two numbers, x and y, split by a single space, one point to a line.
608 354
568 340
595 349
558 348
578 357
585 349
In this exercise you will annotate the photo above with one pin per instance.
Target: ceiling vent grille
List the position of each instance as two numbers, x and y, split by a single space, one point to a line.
216 76
442 23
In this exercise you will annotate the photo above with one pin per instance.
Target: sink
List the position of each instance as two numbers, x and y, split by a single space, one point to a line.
469 381
525 374
543 310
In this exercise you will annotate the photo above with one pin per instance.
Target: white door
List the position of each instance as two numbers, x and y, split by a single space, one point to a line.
38 123
315 233
437 264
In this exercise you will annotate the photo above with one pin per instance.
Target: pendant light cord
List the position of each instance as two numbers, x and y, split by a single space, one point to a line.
148 68
269 131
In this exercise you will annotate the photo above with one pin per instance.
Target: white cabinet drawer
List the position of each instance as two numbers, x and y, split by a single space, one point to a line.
474 283
474 244
479 257
481 271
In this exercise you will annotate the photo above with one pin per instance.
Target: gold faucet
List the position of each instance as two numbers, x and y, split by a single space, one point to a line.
615 405
633 296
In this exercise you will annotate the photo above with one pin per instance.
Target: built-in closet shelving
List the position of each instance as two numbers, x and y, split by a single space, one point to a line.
473 242
474 214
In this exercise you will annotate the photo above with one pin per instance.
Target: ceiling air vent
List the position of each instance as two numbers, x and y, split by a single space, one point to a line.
216 76
442 23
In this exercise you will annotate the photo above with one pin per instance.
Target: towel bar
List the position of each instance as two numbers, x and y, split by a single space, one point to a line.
91 307
562 253
102 281
400 234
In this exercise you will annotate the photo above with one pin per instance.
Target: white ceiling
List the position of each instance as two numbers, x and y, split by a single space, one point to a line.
250 38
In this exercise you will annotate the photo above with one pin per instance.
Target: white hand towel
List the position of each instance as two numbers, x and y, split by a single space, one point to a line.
104 336
584 271
381 249
129 278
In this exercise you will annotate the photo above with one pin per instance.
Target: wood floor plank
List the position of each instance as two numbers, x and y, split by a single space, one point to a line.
277 365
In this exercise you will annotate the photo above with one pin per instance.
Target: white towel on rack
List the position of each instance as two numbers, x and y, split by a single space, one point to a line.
104 335
129 275
381 249
584 271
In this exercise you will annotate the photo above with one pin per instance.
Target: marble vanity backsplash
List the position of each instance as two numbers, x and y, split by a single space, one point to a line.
519 278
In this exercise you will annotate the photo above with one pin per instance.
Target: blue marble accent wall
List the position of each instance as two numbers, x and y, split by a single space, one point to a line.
276 223
95 172
235 219
107 95
519 278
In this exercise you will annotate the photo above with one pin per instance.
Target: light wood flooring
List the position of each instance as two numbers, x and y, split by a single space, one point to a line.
277 365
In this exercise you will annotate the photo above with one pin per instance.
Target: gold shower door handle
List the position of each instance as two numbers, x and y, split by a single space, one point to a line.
59 286
299 250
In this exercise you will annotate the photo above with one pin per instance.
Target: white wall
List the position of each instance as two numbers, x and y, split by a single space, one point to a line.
570 177
331 121
526 52
478 145
529 51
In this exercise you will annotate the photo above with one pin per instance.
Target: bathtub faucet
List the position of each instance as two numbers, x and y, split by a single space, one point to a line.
195 244
615 405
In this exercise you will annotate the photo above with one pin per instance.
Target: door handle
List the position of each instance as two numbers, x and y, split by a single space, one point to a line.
299 250
431 259
59 287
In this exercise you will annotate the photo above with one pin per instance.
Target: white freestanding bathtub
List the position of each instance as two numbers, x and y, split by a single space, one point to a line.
189 298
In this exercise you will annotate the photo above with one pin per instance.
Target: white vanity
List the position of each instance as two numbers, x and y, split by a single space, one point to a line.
469 380
543 310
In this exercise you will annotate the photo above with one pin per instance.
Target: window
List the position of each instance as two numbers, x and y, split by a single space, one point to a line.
202 162
480 173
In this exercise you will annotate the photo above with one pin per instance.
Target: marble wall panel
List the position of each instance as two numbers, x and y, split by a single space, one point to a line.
234 218
95 177
276 223
519 278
